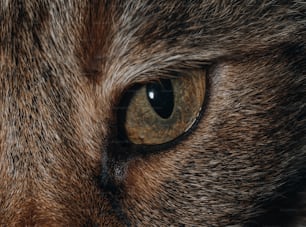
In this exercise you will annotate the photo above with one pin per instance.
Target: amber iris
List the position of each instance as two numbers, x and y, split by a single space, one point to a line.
159 112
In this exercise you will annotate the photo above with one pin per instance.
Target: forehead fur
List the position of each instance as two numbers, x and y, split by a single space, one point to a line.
146 37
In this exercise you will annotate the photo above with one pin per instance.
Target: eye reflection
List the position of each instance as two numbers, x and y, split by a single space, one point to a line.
161 98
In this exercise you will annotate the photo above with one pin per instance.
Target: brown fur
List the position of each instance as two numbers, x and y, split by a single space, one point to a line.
64 67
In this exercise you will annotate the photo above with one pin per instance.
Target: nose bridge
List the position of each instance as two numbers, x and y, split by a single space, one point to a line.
27 151
47 172
51 139
26 112
18 153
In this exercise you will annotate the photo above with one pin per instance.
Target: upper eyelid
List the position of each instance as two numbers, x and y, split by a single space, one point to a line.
172 72
122 81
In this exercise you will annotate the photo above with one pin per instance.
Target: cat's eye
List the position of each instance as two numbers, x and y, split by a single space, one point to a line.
161 111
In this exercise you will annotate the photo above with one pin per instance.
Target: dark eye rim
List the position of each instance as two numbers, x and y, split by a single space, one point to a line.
144 149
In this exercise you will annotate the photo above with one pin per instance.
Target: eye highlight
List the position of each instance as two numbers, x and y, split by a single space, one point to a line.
161 97
159 112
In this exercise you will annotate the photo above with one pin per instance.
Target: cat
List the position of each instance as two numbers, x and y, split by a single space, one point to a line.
152 113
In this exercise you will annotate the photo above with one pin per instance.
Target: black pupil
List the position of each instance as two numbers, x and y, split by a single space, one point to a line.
161 98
